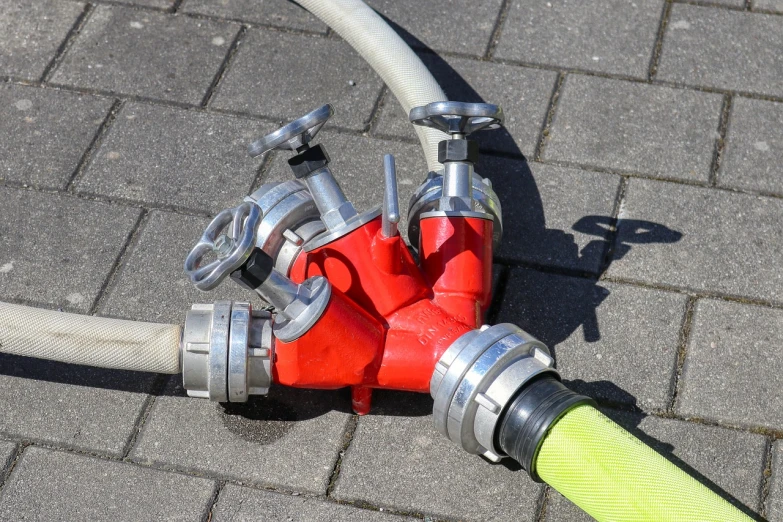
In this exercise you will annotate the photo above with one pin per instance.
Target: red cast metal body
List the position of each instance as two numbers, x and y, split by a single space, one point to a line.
389 322
456 256
378 274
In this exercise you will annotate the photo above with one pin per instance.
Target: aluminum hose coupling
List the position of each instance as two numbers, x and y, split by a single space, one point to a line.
227 351
477 377
497 394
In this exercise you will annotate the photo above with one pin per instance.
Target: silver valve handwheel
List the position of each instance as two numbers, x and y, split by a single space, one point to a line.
294 135
232 248
458 117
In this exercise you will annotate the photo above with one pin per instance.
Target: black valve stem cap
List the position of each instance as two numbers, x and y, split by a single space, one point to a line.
255 271
308 161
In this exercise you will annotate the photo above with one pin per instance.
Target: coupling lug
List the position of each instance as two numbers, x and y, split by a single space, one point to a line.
426 201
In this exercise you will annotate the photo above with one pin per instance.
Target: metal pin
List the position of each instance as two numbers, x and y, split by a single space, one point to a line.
391 207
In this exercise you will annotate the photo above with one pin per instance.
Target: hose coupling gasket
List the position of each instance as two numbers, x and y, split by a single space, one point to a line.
534 410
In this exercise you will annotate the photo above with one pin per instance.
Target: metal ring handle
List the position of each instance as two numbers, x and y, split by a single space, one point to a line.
458 117
295 134
243 222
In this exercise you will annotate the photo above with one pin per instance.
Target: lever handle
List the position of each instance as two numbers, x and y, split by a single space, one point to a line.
391 205
295 135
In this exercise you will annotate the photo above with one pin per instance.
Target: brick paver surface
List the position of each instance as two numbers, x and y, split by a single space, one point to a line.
288 440
46 132
238 504
77 487
277 13
612 36
754 147
8 451
640 179
723 49
774 508
146 54
31 32
634 127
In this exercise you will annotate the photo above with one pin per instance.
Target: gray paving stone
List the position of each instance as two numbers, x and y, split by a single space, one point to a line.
733 365
288 439
238 504
775 6
90 409
152 286
398 459
262 79
58 249
31 32
357 163
597 35
613 342
278 13
553 216
45 133
7 452
729 3
458 26
723 49
660 131
145 53
775 499
89 488
171 156
731 243
160 4
754 148
732 460
523 94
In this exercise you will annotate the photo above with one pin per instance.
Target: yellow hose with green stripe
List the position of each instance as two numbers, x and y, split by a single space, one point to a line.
614 476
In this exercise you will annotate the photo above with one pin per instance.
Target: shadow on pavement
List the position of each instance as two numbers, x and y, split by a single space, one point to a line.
76 375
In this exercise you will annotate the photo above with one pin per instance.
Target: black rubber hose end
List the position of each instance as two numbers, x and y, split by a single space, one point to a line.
535 409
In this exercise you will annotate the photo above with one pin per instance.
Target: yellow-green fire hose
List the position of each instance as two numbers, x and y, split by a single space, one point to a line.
614 476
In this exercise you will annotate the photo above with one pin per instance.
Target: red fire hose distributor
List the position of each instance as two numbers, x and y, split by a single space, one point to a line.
353 307
389 320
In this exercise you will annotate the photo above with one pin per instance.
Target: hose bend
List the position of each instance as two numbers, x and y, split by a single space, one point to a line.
89 340
394 61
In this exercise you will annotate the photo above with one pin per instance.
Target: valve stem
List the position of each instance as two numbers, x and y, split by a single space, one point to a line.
391 206
297 306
